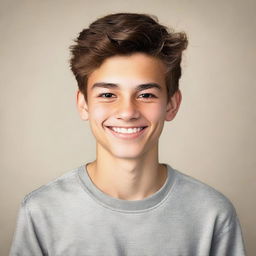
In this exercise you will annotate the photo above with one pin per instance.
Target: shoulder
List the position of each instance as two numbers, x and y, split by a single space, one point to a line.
52 192
203 197
204 204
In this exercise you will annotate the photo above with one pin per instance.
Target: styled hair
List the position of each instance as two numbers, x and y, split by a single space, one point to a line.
125 34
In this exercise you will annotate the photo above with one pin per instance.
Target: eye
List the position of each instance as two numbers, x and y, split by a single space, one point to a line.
105 95
148 95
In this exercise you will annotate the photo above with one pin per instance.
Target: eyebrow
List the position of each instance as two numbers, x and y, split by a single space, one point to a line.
140 87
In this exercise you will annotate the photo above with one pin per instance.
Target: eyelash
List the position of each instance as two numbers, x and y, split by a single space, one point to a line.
151 95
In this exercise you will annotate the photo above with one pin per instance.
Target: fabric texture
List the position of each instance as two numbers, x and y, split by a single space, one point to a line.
72 216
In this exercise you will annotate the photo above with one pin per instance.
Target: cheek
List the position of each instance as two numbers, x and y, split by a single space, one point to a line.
155 112
98 113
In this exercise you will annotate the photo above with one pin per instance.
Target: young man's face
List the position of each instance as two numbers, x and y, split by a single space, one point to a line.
128 92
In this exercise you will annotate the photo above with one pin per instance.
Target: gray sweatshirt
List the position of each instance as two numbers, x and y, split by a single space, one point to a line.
72 216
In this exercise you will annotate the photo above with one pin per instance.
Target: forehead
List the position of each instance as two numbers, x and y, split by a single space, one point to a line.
134 69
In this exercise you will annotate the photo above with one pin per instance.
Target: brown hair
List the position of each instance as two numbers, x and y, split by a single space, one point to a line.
124 34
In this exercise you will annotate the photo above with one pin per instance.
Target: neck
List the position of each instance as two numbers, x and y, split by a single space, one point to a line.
127 179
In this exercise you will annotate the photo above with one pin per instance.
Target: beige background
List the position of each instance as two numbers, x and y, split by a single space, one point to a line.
211 139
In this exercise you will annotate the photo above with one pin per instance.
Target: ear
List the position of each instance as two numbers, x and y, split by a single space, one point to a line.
173 105
82 106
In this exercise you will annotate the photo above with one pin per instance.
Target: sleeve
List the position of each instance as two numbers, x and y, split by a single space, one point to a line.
230 241
25 241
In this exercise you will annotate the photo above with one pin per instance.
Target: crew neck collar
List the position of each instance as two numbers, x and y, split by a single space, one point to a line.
113 203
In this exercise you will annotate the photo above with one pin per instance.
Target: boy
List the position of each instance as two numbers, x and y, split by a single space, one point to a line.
125 202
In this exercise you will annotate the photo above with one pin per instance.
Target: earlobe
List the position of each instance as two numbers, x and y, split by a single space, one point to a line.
173 106
82 106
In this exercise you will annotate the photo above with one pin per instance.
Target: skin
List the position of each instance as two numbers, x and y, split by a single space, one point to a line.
137 172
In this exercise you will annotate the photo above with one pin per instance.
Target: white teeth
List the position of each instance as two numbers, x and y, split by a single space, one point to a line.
124 130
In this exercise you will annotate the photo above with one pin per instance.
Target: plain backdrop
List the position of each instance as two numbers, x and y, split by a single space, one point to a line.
212 137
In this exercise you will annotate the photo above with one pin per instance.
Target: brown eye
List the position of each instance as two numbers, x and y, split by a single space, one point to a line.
148 95
106 95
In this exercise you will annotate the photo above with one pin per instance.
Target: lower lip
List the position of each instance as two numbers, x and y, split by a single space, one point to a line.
127 135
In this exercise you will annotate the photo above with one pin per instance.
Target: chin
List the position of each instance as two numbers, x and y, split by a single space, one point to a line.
126 154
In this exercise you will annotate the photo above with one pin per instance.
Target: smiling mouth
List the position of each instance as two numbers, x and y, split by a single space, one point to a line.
130 130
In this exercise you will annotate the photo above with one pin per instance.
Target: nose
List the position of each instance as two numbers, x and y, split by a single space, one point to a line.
127 110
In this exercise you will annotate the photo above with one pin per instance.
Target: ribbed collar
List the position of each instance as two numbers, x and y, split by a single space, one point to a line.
132 206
